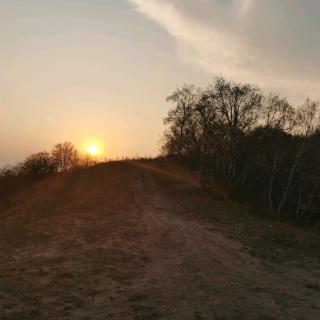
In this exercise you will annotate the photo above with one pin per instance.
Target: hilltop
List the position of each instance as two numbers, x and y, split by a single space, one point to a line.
141 240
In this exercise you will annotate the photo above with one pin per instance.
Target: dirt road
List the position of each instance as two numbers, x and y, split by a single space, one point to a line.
117 242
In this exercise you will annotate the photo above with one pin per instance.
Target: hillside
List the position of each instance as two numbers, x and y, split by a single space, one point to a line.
140 240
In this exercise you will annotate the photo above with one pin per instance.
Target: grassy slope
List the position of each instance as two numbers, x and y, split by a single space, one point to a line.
63 259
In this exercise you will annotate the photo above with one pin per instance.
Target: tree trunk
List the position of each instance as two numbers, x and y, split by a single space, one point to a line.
272 178
290 178
299 204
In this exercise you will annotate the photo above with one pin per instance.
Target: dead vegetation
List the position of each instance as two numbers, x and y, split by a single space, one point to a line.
141 240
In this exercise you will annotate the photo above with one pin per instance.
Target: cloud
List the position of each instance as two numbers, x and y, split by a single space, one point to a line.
272 43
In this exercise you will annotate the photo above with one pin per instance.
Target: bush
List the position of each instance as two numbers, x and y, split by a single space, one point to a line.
38 165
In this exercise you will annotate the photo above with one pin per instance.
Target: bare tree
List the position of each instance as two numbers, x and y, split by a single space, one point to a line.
253 143
38 165
277 114
64 156
184 99
238 106
307 124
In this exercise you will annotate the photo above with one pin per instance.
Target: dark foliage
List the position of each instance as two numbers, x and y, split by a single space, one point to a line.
258 145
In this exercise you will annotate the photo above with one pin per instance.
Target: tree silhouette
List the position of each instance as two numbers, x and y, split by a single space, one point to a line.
64 156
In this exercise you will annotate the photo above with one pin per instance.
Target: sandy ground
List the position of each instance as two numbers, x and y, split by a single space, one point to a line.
125 241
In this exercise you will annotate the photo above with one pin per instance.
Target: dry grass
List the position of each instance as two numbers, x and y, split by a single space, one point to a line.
140 240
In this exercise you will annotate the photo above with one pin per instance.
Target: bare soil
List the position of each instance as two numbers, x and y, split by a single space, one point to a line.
138 240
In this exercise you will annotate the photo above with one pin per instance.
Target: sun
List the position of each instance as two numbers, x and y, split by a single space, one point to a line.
93 150
93 147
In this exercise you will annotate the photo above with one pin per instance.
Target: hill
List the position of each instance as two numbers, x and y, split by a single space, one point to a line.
140 240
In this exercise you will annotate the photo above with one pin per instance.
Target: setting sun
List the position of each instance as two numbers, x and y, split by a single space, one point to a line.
93 147
93 150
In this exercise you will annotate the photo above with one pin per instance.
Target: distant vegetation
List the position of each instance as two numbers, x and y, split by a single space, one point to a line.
258 145
63 157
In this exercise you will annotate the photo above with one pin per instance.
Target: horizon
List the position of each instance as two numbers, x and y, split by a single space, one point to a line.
94 70
159 159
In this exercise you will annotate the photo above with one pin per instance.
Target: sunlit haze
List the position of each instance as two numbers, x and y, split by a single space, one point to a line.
93 150
72 70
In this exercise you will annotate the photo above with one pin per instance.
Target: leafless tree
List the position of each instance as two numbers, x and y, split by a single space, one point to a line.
307 124
277 114
238 111
38 165
64 156
184 100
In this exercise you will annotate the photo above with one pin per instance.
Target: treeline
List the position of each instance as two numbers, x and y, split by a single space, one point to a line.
63 157
259 145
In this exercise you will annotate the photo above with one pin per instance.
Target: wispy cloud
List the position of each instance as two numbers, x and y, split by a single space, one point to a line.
272 43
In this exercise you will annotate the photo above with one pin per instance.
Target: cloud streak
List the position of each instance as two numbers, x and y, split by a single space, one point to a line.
272 43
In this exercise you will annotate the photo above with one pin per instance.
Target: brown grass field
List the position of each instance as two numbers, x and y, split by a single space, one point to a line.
140 240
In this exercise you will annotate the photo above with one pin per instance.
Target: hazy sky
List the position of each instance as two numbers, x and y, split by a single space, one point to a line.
101 69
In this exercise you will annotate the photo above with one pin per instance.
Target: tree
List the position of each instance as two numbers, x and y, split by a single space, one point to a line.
277 113
252 143
279 116
179 118
238 107
65 156
38 165
307 125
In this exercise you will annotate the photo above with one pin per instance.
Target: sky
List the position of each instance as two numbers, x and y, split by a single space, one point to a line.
100 70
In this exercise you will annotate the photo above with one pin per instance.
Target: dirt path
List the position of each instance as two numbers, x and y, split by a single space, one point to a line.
111 243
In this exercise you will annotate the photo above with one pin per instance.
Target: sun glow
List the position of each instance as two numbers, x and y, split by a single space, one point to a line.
93 150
